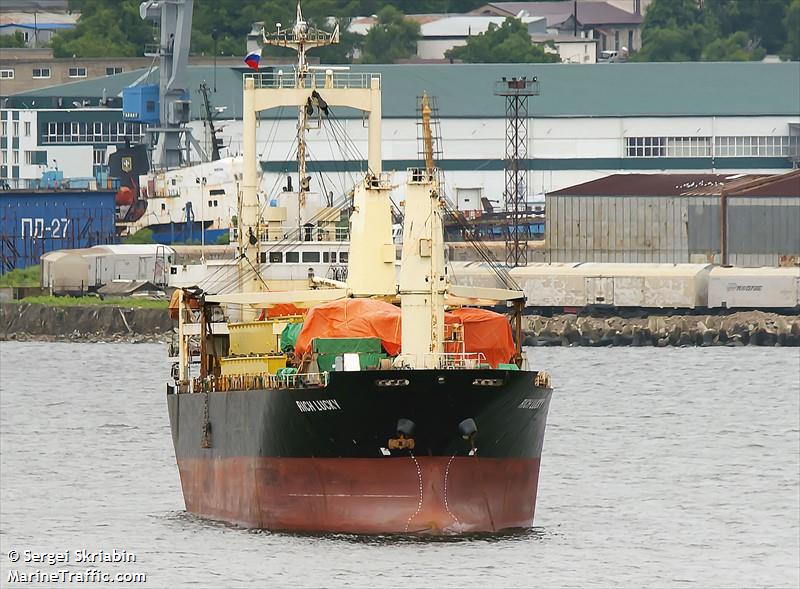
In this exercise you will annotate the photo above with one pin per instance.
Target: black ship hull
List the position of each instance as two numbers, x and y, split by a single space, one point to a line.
330 459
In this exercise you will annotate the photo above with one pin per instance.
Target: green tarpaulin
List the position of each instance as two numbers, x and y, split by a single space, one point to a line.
326 362
289 336
346 345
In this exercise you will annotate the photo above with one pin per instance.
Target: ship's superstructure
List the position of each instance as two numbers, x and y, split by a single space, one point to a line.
373 404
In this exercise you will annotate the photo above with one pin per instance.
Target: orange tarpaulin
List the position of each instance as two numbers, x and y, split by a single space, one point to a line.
352 318
280 310
484 331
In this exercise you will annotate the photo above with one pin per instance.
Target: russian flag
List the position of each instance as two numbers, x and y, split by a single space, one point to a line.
253 58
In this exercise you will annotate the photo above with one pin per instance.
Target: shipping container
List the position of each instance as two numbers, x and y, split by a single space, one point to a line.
754 288
34 222
87 269
579 285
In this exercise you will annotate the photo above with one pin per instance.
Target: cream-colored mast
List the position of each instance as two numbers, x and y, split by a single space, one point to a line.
371 264
423 282
249 217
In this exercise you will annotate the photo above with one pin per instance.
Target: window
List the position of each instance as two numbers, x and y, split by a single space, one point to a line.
27 129
15 158
110 71
343 257
755 146
616 40
6 74
77 72
4 128
326 257
163 206
28 158
292 257
275 257
15 129
688 146
645 146
312 257
3 156
630 41
94 132
99 157
41 73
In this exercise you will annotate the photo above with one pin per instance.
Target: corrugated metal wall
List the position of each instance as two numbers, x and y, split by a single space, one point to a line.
33 223
617 229
670 229
763 229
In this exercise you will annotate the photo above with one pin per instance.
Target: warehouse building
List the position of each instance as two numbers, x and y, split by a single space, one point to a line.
588 122
741 220
35 222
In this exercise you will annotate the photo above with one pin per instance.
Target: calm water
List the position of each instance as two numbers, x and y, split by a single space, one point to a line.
662 468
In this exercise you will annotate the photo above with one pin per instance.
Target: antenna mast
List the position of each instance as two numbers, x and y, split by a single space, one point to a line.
516 91
301 37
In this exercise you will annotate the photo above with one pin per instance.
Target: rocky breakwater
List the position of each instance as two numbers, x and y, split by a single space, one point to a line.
736 329
26 321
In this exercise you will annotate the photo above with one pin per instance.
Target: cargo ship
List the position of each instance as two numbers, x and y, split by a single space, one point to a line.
385 403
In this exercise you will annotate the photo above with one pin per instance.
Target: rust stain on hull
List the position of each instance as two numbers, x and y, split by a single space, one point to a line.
407 494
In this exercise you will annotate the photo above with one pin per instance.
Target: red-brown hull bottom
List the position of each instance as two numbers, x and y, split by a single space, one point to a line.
428 494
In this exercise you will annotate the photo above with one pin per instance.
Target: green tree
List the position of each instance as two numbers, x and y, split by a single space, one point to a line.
345 49
673 44
671 14
792 23
761 20
392 37
30 276
735 47
106 28
141 236
15 40
508 43
233 19
715 30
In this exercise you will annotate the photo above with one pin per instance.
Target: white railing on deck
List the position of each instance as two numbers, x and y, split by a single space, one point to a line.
443 360
313 79
303 234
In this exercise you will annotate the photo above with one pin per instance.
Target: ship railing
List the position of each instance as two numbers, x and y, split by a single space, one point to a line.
303 234
383 180
441 360
313 79
252 382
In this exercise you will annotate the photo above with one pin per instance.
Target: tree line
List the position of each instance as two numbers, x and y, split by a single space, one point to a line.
720 30
113 28
673 30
